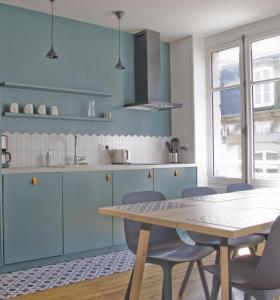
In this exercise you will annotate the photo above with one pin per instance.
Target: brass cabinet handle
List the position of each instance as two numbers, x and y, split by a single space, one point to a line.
150 175
176 173
34 180
108 177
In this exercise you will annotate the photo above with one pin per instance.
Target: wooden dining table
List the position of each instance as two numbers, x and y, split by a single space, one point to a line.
229 215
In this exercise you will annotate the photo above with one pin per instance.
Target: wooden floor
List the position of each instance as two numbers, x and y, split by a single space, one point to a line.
113 287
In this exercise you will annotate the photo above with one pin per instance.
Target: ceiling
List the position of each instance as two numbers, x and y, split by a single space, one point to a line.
174 19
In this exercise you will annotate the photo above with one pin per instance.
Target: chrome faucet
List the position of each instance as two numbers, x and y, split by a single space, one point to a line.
77 159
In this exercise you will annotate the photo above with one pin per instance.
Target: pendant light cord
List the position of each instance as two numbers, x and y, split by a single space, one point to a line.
119 38
52 23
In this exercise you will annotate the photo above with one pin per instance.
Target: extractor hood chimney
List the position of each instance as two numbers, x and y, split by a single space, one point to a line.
147 73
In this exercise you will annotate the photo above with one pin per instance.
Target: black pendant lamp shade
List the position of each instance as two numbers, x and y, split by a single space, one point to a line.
119 66
52 54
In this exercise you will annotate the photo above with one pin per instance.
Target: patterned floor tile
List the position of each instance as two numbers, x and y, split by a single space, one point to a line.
46 277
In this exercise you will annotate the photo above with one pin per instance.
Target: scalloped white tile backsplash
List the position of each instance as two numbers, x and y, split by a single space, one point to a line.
29 150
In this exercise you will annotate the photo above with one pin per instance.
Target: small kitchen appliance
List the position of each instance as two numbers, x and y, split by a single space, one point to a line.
119 156
5 155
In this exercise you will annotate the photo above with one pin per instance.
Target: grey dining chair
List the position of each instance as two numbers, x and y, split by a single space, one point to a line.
237 187
213 241
243 186
256 276
166 249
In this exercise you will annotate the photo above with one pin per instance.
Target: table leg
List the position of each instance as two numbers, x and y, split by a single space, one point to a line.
224 269
142 249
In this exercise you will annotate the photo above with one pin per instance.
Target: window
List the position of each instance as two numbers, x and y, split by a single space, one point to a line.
267 164
265 93
252 153
225 94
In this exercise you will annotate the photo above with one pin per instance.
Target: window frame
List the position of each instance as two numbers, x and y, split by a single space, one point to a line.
247 125
250 117
211 178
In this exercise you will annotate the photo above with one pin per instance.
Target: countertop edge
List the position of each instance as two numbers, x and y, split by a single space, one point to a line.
91 168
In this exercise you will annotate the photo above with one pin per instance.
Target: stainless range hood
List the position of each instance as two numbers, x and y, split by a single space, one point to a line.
147 73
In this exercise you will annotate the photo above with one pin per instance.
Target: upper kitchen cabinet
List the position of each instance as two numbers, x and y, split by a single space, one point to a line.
83 194
172 181
126 182
32 205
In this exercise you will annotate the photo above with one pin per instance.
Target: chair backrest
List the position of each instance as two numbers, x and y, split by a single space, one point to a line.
267 273
236 187
198 191
159 235
193 192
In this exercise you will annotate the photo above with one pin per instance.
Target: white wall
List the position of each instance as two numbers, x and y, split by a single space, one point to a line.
258 27
200 109
181 59
188 87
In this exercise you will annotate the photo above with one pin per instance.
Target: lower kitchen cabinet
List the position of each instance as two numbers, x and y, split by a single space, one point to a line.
124 182
172 181
51 214
83 194
32 205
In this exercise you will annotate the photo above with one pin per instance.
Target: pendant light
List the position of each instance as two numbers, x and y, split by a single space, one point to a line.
119 66
52 54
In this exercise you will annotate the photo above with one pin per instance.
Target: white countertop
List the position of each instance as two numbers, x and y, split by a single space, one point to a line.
84 168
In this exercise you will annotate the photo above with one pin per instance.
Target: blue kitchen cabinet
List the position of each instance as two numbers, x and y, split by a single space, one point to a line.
83 194
172 181
32 205
124 182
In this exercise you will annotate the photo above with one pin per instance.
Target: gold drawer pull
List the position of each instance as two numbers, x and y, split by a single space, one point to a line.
34 180
176 173
150 175
108 177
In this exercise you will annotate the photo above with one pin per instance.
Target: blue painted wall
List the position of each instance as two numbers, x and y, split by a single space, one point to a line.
87 55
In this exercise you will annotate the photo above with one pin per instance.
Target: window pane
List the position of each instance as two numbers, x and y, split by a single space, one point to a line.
267 131
226 133
225 67
265 58
266 94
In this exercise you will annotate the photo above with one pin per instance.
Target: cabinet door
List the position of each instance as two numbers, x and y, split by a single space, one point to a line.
83 194
126 182
172 181
32 216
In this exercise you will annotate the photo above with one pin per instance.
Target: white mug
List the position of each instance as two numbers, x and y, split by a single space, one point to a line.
14 108
42 109
107 115
28 109
54 110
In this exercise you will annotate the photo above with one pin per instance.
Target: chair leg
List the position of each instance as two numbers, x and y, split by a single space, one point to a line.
186 278
247 296
127 293
167 282
234 253
203 279
215 288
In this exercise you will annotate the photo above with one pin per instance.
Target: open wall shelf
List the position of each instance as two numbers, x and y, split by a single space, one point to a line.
16 85
48 117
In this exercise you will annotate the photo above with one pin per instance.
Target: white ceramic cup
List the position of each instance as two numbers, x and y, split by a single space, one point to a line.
28 109
107 115
14 108
54 110
42 109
